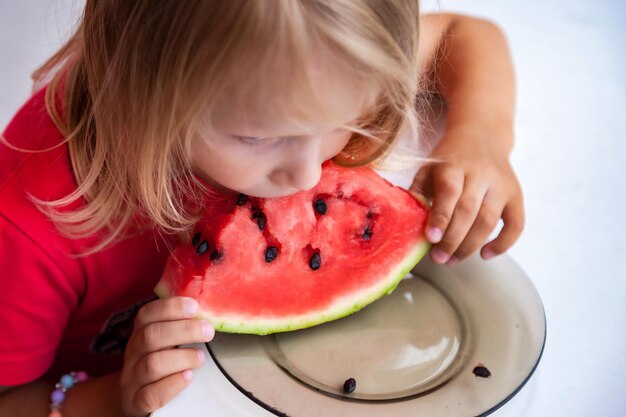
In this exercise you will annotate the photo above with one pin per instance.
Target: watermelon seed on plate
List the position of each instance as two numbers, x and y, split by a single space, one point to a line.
215 255
242 199
349 385
195 239
481 371
315 262
203 247
320 206
271 253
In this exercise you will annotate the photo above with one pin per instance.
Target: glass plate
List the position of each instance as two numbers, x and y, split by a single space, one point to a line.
416 351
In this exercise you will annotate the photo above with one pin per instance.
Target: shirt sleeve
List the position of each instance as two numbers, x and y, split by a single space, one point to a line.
36 301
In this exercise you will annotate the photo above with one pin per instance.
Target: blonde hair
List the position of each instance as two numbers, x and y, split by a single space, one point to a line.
136 78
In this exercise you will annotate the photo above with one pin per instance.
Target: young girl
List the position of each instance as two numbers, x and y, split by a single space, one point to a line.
155 107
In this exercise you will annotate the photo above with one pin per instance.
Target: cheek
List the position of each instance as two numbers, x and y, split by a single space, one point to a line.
227 165
335 146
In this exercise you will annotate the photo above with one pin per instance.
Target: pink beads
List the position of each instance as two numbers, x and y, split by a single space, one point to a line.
54 413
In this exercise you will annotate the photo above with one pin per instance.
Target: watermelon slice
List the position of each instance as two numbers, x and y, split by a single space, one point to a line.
262 266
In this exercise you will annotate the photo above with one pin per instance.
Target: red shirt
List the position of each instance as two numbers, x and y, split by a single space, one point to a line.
59 313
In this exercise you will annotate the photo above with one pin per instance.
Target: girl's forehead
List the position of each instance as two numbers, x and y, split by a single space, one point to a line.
285 109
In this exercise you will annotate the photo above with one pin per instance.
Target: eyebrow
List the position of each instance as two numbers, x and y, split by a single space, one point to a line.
350 122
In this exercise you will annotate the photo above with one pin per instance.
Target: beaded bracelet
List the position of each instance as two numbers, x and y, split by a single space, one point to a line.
66 382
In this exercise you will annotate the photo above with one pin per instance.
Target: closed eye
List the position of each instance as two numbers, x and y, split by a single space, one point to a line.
251 140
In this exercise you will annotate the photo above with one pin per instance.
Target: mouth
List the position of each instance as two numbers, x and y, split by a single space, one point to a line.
278 194
272 194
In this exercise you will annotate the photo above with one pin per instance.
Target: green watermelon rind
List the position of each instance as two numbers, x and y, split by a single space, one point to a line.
339 309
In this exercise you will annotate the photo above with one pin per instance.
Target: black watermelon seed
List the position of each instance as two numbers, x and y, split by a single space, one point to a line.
242 199
261 220
315 262
320 206
271 253
367 233
203 247
349 385
195 239
481 371
215 255
370 214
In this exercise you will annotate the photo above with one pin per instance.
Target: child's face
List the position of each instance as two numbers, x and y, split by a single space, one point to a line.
274 158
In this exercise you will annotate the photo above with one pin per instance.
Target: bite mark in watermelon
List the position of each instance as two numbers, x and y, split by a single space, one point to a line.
262 266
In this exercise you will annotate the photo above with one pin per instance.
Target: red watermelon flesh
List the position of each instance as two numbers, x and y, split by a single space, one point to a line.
261 266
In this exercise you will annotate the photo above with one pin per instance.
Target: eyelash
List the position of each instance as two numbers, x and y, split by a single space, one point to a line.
255 140
250 140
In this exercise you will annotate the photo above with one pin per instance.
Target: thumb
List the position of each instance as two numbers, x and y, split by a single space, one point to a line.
422 183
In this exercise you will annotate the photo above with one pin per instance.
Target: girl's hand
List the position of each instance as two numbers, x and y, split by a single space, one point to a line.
154 370
471 190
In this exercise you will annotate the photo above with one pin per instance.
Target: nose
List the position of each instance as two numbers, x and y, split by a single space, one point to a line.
302 174
306 175
303 169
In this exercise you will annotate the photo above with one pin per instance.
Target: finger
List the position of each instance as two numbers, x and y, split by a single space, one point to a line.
448 185
486 221
421 183
174 308
463 218
513 218
154 396
167 334
158 365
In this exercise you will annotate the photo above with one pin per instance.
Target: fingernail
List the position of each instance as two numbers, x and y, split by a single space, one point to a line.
188 375
191 306
201 355
488 255
207 330
434 234
452 261
439 256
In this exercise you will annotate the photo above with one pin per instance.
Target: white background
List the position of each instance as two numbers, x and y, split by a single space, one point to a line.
570 58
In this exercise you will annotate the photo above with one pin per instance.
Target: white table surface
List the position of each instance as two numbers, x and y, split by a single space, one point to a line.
569 156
